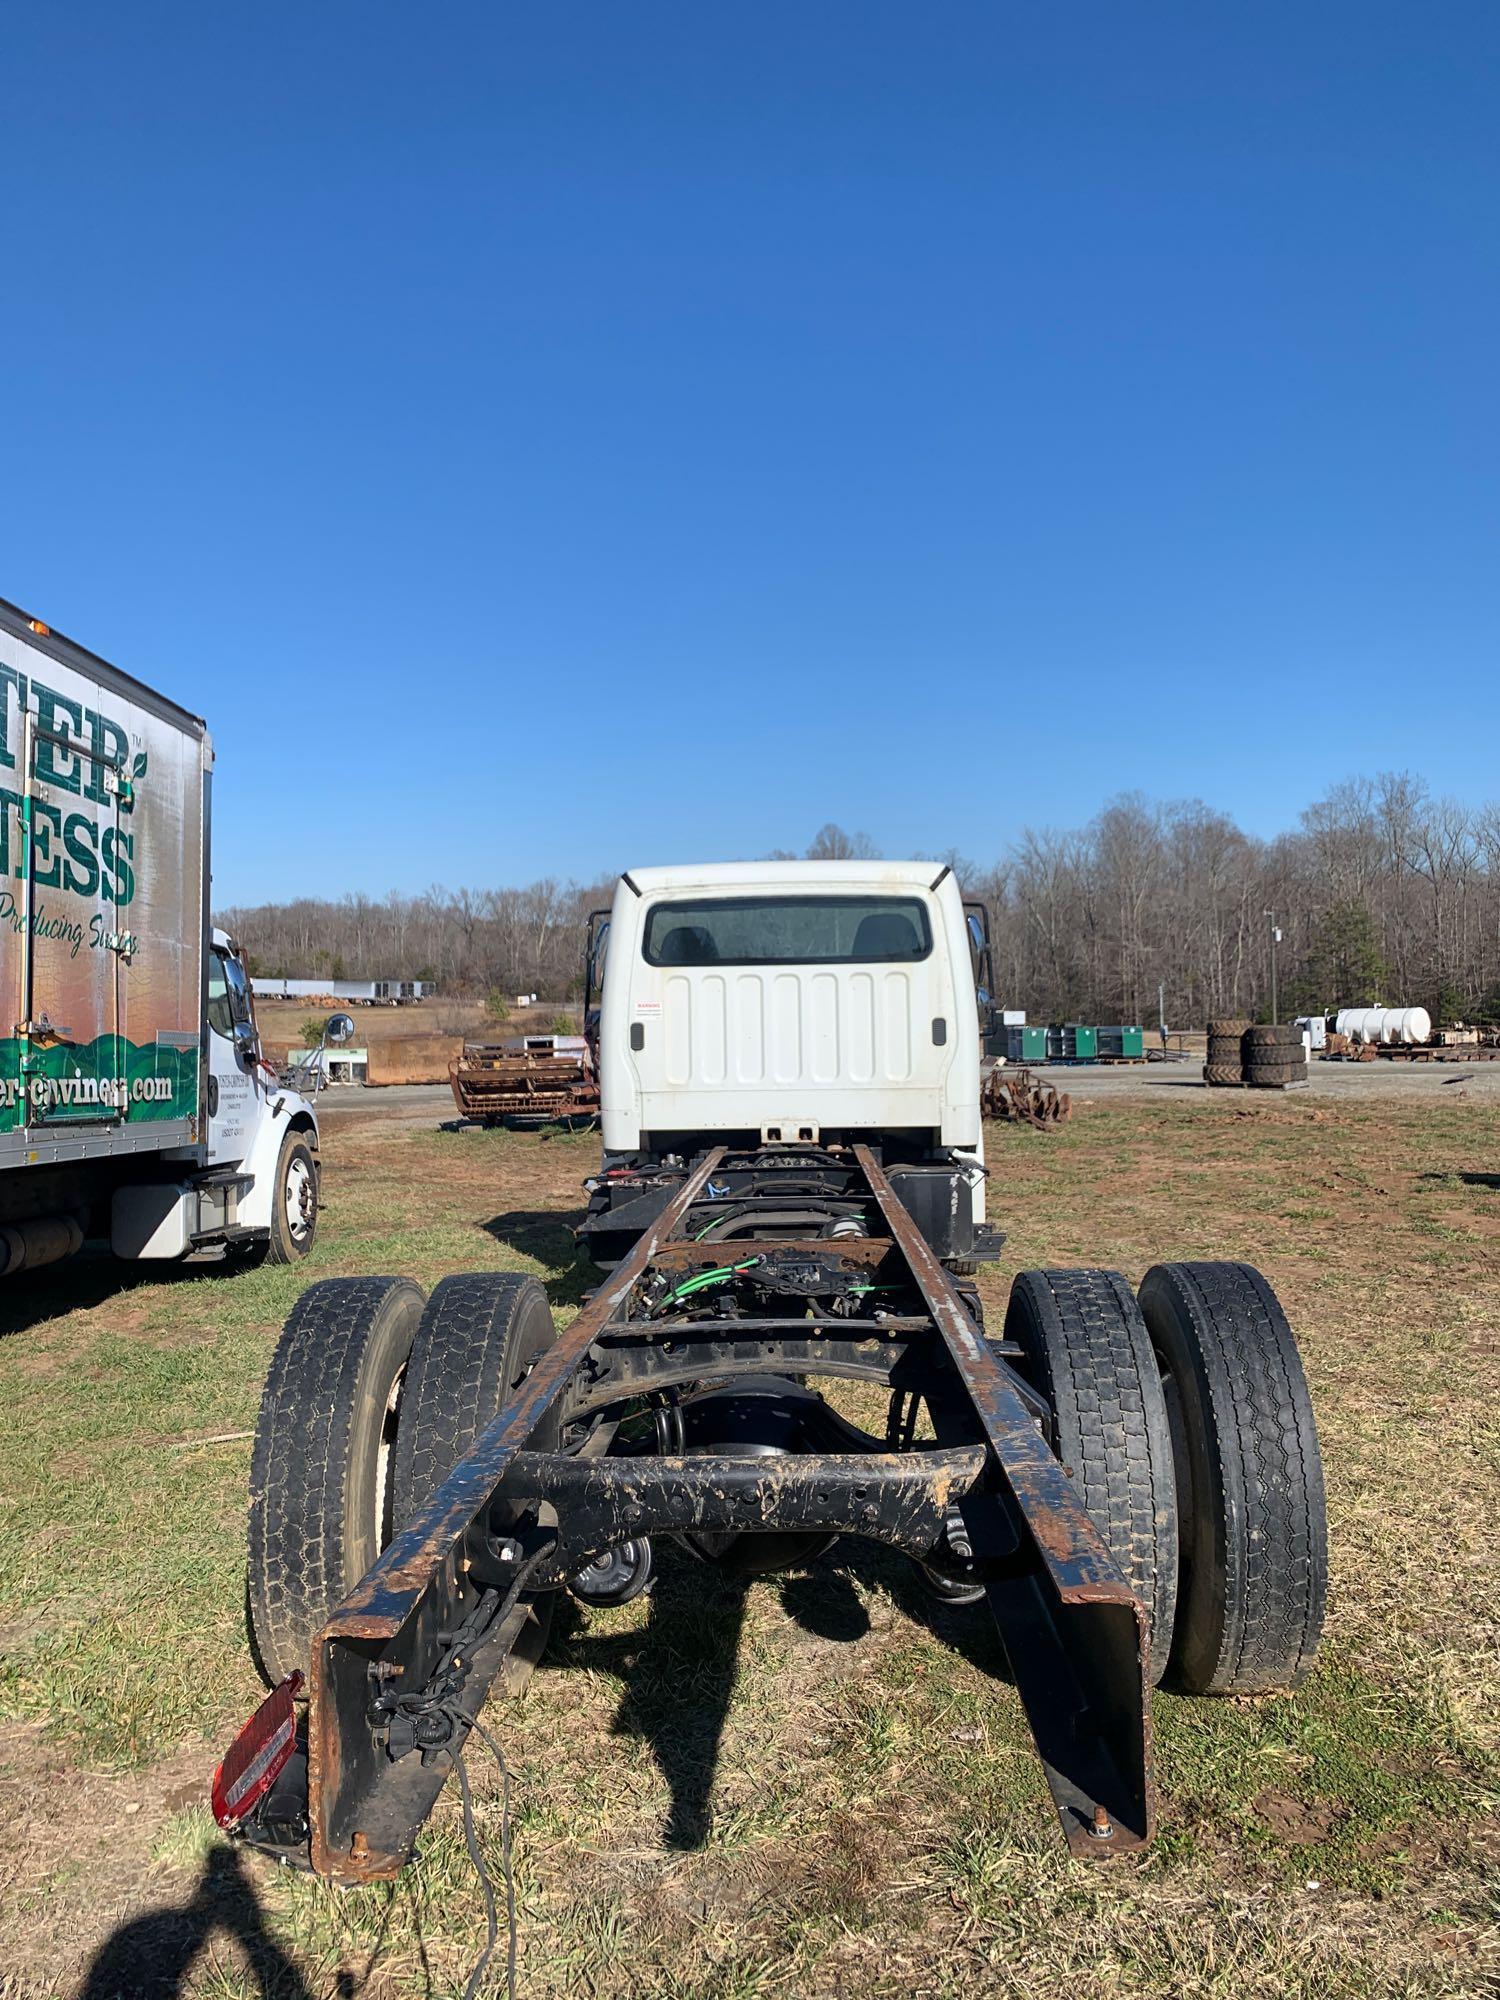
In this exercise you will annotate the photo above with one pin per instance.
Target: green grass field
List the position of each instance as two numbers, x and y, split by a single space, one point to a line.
813 1785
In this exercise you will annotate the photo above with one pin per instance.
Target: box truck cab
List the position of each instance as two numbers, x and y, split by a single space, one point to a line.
134 1101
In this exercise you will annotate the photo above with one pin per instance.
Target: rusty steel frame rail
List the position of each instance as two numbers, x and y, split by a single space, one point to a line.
1076 1635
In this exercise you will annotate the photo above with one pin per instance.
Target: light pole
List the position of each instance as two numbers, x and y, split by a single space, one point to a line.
1275 940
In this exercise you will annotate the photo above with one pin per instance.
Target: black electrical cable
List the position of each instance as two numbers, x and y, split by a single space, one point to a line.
486 1887
439 1699
506 1869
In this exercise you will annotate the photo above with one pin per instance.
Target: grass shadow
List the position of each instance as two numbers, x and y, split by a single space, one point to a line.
92 1278
969 1629
546 1236
678 1671
1474 1180
678 1674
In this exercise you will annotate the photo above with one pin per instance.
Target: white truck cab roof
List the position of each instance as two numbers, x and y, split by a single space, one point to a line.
801 876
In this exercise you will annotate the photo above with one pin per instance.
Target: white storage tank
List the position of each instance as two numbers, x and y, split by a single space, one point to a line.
1355 1022
1410 1026
1390 1027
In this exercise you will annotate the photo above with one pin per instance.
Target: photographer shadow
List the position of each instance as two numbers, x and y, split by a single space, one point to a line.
152 1957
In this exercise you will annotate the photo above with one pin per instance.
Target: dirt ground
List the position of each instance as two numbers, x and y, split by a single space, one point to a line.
812 1785
282 1020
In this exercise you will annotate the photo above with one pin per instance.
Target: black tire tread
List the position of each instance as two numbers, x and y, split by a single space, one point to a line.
1223 1075
300 1463
1257 1627
480 1335
1266 1037
461 1374
1089 1345
1227 1030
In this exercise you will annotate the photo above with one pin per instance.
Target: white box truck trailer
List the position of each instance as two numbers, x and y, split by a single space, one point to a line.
134 1100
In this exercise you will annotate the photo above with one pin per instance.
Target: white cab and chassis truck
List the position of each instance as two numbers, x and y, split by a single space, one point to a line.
134 1102
792 1190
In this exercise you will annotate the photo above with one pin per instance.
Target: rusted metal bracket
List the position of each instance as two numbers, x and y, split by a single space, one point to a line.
899 1498
1076 1636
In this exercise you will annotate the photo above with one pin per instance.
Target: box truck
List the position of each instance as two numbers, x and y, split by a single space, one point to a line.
135 1103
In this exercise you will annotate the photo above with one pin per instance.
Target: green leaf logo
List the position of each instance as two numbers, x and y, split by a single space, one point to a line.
138 768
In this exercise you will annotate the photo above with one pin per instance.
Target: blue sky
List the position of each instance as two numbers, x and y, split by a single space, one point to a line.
636 433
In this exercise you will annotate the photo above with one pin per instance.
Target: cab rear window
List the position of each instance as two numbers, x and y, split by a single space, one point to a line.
788 930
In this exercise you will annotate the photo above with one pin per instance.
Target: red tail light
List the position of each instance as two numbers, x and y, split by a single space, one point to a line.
257 1756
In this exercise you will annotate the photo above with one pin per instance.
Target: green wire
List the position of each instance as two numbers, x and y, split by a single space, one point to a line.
701 1280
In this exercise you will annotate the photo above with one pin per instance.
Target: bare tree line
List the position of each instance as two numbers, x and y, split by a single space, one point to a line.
1382 894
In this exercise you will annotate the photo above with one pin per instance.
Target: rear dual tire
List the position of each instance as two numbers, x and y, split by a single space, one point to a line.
1253 1577
373 1395
481 1335
1090 1354
1186 1422
320 1485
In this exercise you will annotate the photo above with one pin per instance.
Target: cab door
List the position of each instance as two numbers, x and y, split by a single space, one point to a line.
236 1082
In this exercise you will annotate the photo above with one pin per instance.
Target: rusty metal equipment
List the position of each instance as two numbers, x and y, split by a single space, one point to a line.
1020 1098
527 1080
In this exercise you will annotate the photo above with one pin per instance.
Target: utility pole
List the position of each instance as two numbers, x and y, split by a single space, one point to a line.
1275 940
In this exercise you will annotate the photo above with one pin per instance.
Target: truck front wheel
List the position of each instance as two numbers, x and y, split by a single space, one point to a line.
294 1202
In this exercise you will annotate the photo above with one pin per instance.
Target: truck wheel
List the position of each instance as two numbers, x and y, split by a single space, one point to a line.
1249 1479
481 1334
294 1202
320 1470
1089 1353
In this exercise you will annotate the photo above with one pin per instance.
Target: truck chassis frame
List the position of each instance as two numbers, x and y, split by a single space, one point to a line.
401 1668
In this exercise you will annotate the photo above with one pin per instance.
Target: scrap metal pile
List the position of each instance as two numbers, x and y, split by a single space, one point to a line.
527 1080
1017 1096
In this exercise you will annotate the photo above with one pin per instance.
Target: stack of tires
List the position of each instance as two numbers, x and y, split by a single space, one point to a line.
1274 1057
1225 1063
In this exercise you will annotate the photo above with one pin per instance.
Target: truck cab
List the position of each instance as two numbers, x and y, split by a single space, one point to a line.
259 1187
788 1004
